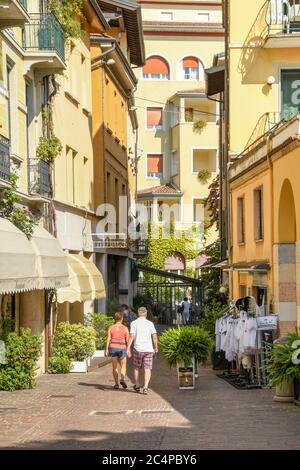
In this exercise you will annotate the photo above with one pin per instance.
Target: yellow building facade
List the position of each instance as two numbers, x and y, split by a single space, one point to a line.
262 100
178 132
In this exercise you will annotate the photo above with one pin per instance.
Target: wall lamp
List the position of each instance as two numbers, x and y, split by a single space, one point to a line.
271 80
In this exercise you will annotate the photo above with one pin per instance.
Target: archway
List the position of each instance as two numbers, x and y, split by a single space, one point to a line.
175 263
285 260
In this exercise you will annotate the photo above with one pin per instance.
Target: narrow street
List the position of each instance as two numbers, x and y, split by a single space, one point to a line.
83 412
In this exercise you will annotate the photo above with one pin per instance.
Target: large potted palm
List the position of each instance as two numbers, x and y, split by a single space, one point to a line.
183 347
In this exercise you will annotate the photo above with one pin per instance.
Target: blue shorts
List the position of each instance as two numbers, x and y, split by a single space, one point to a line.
116 352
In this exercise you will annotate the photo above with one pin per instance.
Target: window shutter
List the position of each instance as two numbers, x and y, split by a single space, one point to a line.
156 65
154 116
154 164
190 62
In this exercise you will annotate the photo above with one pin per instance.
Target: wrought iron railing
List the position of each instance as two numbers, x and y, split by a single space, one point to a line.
4 158
23 3
39 177
283 16
44 33
105 240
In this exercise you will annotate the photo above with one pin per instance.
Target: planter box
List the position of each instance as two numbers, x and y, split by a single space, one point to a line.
98 353
78 366
284 392
186 376
297 392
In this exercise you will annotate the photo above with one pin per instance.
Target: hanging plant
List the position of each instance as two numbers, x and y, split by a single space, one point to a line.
49 146
204 175
199 125
69 13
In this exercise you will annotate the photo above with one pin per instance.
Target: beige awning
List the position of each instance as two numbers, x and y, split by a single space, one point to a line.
86 281
51 261
18 261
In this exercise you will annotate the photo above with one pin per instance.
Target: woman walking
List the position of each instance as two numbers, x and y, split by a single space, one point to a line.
116 347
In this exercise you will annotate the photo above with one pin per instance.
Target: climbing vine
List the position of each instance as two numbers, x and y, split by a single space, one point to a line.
20 217
68 12
213 201
159 248
49 146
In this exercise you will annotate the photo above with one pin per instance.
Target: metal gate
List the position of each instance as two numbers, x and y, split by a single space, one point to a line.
165 292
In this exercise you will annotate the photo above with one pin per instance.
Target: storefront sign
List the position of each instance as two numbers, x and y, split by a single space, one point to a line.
268 322
186 377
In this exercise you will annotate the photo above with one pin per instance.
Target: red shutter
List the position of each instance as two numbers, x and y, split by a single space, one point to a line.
190 62
154 164
154 116
157 65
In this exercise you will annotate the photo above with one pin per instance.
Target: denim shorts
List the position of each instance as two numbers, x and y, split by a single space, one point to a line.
116 352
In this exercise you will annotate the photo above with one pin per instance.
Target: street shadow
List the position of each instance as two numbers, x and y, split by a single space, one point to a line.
109 388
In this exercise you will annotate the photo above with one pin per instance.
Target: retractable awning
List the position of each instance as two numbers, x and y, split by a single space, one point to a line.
18 261
51 260
86 281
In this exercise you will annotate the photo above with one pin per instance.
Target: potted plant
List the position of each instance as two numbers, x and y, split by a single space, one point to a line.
204 175
101 323
283 367
199 125
74 342
182 347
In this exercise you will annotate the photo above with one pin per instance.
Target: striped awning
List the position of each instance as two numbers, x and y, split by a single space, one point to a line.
18 260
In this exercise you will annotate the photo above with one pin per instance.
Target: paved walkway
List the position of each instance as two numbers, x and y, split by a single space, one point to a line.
83 412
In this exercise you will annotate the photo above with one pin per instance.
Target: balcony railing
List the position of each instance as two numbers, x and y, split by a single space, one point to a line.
44 33
106 240
23 3
39 177
283 16
4 159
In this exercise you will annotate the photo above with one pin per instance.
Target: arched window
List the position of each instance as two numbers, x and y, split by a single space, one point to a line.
156 68
175 262
191 68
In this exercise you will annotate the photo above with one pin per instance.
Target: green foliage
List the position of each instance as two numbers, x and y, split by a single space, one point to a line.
213 202
59 365
199 125
211 313
67 12
75 341
160 247
20 217
211 277
48 148
101 323
279 366
180 345
204 175
22 353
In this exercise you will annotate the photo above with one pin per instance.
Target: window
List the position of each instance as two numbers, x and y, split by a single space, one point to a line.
188 114
154 165
191 68
290 93
258 214
154 118
166 15
204 159
156 68
241 220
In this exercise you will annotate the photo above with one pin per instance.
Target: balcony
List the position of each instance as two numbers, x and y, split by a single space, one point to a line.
100 241
13 13
4 159
39 178
283 22
43 42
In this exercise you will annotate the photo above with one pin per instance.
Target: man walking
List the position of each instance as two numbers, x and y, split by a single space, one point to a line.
143 335
185 305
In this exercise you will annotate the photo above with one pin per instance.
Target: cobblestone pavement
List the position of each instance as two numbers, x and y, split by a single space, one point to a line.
78 411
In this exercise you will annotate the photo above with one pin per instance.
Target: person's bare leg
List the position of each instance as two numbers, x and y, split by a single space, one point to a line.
123 363
136 377
115 370
147 377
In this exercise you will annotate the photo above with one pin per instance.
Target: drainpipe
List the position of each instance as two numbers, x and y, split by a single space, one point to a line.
270 164
103 54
